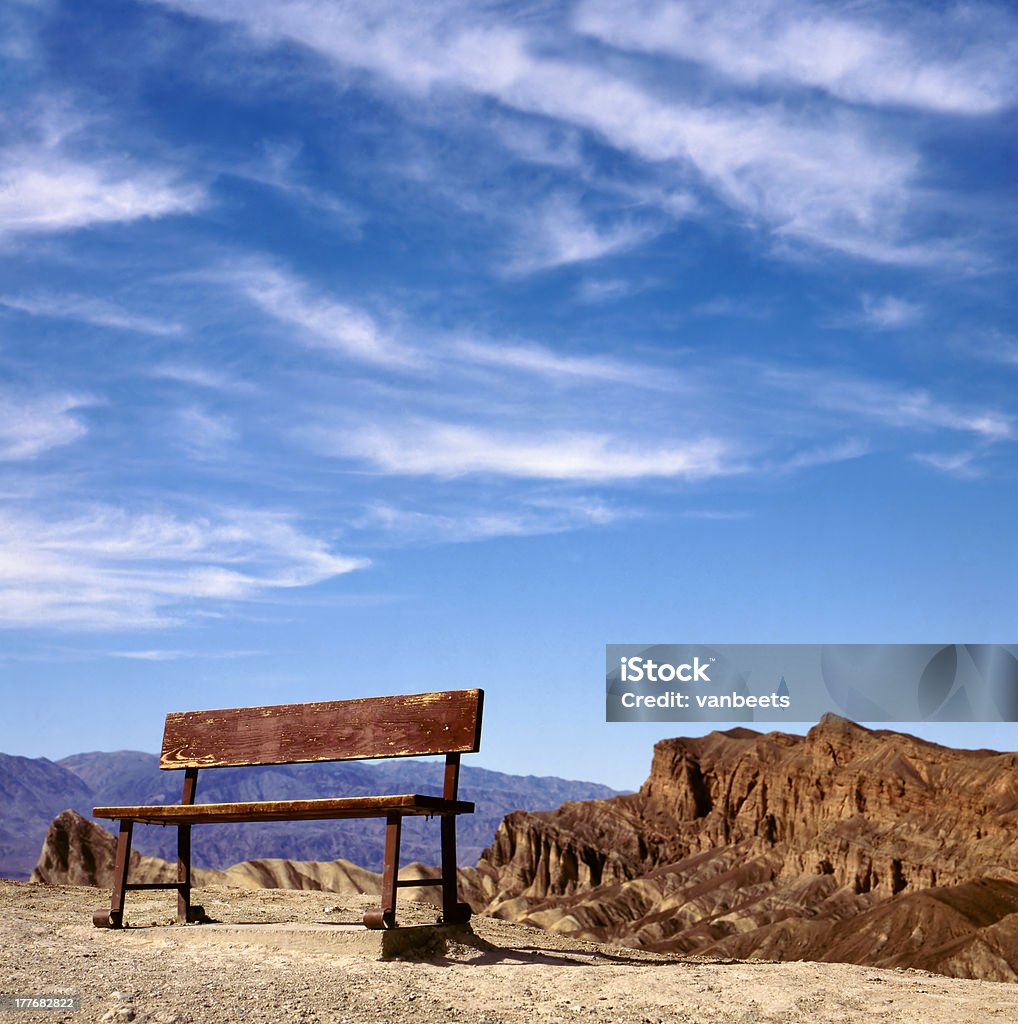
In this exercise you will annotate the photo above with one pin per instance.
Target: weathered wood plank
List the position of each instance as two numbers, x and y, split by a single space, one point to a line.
288 810
402 726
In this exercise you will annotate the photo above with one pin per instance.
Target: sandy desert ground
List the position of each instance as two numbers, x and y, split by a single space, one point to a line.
505 974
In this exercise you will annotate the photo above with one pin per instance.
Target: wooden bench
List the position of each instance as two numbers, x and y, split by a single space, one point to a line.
446 723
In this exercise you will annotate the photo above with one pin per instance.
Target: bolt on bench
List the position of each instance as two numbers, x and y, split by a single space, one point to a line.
412 725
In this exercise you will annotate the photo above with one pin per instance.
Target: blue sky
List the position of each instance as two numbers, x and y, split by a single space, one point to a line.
350 348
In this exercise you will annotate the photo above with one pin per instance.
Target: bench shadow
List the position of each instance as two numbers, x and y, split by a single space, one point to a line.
487 954
539 956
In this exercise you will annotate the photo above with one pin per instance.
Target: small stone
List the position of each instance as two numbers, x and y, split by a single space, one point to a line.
119 1015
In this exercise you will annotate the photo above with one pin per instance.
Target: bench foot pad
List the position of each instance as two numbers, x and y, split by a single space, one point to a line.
196 914
380 919
107 919
459 916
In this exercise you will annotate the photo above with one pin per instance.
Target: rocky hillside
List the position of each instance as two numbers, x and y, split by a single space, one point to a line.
33 791
847 844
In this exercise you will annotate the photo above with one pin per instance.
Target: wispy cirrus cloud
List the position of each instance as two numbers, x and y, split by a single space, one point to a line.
560 233
178 654
321 321
715 515
957 60
823 455
990 346
43 190
524 519
59 172
959 464
832 179
881 313
107 568
203 434
31 426
449 450
544 362
277 167
892 405
337 324
91 311
887 312
204 377
597 290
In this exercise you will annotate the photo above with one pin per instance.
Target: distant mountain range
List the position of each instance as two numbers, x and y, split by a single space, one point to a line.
34 791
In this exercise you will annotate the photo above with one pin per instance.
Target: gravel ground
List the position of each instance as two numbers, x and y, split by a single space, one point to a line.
503 974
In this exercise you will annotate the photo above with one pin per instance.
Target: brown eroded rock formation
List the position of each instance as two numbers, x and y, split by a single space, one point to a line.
845 845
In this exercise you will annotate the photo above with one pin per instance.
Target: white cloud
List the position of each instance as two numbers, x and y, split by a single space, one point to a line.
30 427
991 346
715 515
172 654
841 451
543 362
522 520
596 290
42 190
111 569
321 321
959 464
276 168
198 376
912 408
89 310
736 309
553 145
446 450
883 312
955 61
334 325
828 179
203 434
559 233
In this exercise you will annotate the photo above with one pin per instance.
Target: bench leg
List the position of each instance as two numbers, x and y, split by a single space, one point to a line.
114 917
186 913
386 917
453 912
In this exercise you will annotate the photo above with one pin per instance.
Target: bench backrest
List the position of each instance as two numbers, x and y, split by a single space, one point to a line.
411 725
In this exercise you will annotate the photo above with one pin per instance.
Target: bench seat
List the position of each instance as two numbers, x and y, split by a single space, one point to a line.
288 810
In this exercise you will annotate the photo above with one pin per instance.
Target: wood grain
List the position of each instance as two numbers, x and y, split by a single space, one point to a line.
410 725
288 810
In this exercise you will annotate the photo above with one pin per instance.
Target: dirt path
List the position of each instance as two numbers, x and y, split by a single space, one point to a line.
509 975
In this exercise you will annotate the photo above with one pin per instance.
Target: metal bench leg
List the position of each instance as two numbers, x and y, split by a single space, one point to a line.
386 917
186 913
453 912
114 917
